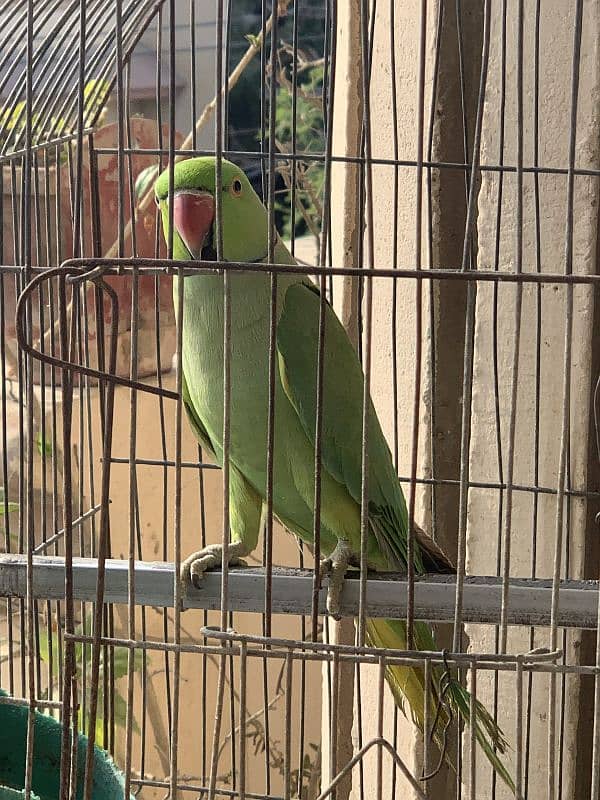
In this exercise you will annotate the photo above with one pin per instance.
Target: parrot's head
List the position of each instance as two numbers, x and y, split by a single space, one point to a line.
243 216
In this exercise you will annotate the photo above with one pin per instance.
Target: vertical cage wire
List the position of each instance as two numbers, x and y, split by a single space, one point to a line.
128 676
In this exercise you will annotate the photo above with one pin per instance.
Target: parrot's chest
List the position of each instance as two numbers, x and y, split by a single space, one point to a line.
203 353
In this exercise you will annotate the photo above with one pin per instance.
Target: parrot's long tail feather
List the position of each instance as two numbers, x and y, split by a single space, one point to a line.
446 696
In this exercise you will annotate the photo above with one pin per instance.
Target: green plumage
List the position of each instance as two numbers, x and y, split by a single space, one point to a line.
244 226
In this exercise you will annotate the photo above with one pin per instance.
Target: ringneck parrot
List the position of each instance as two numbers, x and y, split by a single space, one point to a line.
244 224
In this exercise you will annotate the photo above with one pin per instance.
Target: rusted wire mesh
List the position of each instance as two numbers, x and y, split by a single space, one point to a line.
435 172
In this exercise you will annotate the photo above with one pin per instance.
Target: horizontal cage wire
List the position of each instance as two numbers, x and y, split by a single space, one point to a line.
308 284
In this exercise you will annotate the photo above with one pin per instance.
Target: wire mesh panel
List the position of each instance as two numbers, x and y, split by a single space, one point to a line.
175 380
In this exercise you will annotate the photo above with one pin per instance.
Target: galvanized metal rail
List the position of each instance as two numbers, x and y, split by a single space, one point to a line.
529 601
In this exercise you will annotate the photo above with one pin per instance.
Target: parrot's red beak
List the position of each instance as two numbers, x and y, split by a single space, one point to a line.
193 216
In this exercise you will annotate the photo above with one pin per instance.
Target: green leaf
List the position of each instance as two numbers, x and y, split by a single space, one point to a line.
6 506
82 724
95 96
120 711
44 446
309 138
100 732
11 118
120 661
145 180
96 90
45 645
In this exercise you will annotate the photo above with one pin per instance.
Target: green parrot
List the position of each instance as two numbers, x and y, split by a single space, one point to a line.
244 223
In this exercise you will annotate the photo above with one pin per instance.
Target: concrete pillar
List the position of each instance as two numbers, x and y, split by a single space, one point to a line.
549 193
442 308
346 236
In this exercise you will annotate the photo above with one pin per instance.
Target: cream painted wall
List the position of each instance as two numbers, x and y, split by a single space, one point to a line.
556 37
556 48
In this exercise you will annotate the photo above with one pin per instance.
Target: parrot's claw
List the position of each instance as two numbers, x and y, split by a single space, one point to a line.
335 567
194 566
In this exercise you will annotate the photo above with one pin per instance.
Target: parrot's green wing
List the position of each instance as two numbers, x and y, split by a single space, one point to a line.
297 346
245 504
195 422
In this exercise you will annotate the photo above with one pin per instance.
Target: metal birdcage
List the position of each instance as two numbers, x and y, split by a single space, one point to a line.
434 169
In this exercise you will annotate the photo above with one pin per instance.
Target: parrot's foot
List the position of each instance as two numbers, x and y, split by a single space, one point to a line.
335 567
194 566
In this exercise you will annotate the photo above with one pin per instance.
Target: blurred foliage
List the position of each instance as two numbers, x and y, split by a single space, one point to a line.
307 138
95 95
245 106
49 648
304 781
145 181
45 128
6 507
44 446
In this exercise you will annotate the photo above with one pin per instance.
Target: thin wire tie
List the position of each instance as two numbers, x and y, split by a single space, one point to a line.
445 682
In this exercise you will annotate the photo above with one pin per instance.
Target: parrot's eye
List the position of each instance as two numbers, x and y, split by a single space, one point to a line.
236 187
